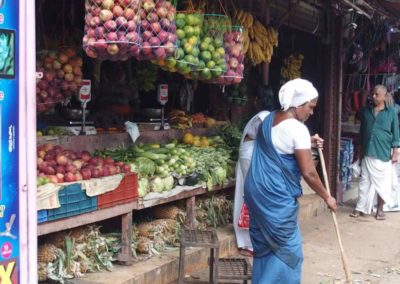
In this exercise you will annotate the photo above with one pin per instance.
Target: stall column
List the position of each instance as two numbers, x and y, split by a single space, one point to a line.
190 214
333 100
126 239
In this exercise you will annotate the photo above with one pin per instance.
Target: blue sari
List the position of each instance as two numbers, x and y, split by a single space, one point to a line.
271 190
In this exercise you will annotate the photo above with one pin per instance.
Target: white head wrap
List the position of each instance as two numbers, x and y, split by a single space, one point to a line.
296 93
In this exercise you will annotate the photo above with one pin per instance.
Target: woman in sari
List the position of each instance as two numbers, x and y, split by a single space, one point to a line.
245 153
282 154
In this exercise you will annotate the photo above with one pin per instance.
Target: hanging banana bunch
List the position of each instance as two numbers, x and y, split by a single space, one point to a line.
258 41
291 67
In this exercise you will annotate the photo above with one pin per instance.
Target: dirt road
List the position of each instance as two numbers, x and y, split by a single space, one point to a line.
372 247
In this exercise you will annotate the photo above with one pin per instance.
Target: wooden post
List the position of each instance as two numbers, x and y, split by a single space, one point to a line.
265 66
190 214
126 239
333 101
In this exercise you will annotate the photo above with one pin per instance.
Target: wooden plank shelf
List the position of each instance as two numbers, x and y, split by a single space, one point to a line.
84 219
125 211
184 195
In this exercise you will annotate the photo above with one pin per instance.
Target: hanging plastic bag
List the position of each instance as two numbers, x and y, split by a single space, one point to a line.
356 168
110 30
244 218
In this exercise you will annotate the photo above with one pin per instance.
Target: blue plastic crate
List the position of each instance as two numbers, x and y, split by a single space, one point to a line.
74 201
42 216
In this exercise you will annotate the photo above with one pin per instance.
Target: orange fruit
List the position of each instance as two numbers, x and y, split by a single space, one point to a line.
188 138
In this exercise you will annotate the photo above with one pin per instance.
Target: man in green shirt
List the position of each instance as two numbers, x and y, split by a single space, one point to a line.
379 137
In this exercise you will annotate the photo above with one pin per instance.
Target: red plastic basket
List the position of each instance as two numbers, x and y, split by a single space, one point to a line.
126 191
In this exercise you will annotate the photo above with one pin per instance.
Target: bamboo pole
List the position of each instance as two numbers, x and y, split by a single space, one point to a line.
349 277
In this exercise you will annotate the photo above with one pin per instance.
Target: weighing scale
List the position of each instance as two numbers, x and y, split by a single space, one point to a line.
162 98
84 97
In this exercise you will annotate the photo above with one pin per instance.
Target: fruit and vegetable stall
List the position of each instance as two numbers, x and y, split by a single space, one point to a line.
128 125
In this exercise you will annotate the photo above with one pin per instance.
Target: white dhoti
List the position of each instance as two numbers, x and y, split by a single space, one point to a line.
242 167
376 178
395 192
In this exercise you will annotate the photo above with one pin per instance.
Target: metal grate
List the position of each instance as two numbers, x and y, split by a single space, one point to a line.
198 238
234 269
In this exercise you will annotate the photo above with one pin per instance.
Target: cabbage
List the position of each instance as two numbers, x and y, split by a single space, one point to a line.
146 166
156 184
218 175
143 186
168 183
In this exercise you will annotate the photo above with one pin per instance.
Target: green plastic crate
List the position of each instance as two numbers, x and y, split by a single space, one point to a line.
74 201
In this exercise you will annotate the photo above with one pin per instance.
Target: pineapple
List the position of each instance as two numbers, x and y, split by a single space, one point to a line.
42 271
47 253
144 245
57 239
150 229
165 211
145 229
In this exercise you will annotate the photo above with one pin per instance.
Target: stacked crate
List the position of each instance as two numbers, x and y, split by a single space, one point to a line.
345 161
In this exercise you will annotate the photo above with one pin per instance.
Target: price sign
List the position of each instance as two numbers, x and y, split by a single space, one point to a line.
162 94
85 91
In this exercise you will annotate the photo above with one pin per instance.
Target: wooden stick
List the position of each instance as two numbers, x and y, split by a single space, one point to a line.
349 276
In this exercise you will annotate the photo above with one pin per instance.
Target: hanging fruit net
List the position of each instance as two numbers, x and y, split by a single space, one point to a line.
212 53
62 77
157 29
186 56
111 29
234 57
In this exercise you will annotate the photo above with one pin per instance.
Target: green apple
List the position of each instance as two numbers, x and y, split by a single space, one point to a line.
171 62
203 46
187 47
218 42
195 51
193 40
221 51
180 16
188 31
217 72
206 55
180 23
191 20
210 64
196 30
207 40
180 33
206 74
180 53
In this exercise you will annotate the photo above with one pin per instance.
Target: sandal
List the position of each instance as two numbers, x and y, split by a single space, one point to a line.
380 216
356 214
245 252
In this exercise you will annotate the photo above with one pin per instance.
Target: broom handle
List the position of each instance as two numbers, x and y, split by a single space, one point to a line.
349 277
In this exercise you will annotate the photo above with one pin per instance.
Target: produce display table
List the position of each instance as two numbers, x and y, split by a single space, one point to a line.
125 211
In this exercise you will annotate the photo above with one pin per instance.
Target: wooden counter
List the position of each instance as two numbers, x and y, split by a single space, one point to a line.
114 140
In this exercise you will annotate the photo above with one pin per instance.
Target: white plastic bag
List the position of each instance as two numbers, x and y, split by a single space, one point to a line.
133 130
356 168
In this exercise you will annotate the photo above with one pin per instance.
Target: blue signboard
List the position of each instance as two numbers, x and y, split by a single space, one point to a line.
9 105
